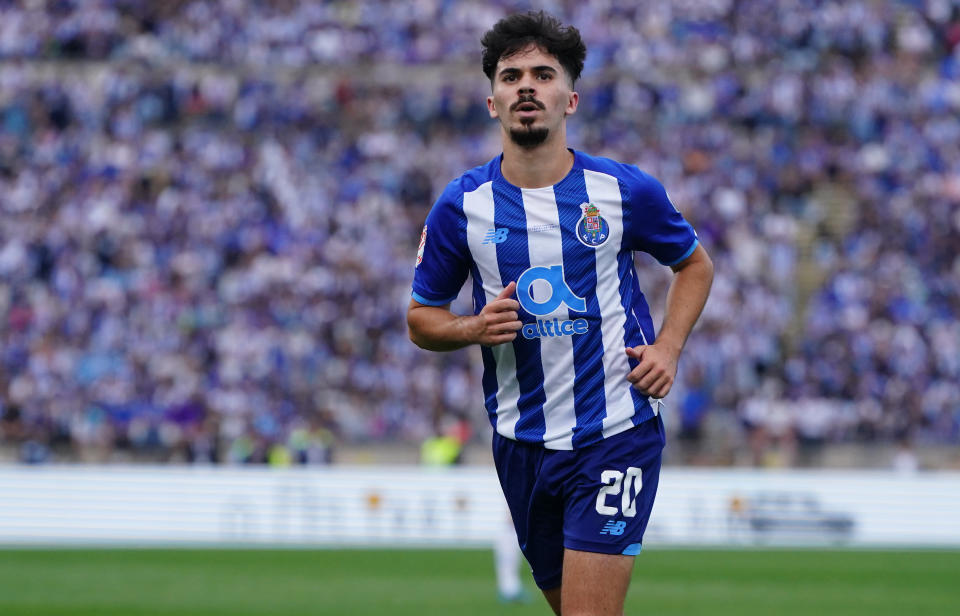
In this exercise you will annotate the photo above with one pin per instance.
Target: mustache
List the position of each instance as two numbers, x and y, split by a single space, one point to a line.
527 99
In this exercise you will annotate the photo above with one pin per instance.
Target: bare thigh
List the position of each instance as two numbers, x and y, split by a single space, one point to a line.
553 598
594 584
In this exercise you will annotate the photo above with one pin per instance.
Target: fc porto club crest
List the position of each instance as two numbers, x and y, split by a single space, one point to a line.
592 229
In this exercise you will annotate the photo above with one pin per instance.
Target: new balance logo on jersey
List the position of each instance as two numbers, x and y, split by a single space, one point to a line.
496 236
613 528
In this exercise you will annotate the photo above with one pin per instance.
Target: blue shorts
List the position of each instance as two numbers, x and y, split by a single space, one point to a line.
594 499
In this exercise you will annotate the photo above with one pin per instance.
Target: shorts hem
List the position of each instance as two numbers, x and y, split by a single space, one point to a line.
602 548
550 582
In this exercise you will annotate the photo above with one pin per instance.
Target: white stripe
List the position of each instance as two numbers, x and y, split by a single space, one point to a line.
604 192
479 210
508 389
556 352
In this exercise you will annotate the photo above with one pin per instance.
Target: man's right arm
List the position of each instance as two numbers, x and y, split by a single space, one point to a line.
435 328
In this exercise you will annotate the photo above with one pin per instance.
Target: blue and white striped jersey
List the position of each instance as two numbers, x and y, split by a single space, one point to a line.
562 381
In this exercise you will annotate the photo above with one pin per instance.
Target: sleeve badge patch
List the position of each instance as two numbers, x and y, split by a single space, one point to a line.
423 242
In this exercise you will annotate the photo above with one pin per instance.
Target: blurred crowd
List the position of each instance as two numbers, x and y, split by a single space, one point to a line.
210 213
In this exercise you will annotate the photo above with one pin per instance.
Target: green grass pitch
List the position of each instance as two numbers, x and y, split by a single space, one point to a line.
804 582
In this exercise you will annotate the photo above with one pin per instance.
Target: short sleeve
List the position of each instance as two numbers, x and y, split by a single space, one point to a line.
442 258
653 224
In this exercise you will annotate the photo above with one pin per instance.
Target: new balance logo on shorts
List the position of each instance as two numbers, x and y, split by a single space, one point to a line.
496 236
613 528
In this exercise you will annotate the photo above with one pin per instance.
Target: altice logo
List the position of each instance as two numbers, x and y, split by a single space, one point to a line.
559 294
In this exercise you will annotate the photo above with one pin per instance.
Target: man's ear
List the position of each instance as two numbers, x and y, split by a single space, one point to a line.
492 107
572 103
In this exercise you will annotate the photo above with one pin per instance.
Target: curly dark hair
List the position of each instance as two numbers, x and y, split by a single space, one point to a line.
516 32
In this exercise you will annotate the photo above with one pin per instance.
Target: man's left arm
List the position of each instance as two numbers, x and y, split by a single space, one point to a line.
657 367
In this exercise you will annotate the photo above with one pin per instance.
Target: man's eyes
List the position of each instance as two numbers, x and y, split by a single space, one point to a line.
540 76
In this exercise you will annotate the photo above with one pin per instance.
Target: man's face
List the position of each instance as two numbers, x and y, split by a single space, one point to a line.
532 96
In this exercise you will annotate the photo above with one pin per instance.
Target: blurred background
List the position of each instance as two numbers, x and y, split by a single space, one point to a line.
210 214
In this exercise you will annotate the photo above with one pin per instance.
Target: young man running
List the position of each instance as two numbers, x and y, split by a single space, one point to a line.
573 374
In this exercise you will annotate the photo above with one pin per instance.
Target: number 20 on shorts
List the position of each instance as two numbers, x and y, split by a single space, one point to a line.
613 480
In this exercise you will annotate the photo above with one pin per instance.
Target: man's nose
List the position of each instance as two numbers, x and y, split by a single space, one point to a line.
525 90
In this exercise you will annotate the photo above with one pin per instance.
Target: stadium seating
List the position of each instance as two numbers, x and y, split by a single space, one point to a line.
211 212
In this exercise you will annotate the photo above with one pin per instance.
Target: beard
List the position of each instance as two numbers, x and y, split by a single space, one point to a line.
529 137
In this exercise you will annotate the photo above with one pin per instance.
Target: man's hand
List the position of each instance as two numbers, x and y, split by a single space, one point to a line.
656 371
434 328
498 321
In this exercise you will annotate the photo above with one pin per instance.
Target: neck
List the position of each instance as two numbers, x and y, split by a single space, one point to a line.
544 165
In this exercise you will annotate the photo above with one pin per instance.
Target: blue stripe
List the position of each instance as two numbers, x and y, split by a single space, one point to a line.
630 294
431 302
513 258
689 252
489 380
489 384
580 272
632 335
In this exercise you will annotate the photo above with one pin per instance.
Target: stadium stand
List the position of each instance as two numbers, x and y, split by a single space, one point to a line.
210 213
